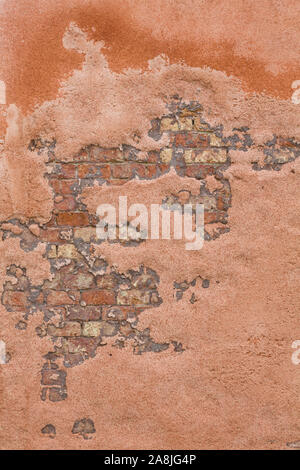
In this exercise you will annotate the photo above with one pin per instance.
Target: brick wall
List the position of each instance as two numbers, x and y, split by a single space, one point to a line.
88 302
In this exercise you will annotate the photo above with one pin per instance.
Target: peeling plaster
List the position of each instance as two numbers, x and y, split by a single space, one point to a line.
234 384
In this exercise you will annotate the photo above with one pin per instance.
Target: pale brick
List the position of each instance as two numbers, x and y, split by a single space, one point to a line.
166 155
52 253
68 251
98 328
205 156
215 141
199 126
85 233
169 124
186 123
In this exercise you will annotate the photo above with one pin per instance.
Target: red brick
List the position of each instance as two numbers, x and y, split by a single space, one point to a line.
68 203
122 171
196 170
210 217
66 186
220 203
55 183
60 298
87 170
68 170
164 167
74 219
191 140
98 297
53 377
151 157
145 171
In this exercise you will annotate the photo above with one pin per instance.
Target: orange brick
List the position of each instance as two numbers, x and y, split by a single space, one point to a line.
16 298
74 219
98 297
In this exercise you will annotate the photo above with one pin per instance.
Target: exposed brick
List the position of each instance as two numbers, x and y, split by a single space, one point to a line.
215 141
98 154
98 297
52 251
67 204
117 312
106 282
133 297
97 328
68 251
60 298
85 233
57 394
199 125
144 171
15 298
87 170
191 140
169 124
122 171
186 123
86 306
205 156
74 219
56 185
87 313
82 345
152 157
166 155
66 186
210 217
68 170
199 171
79 280
71 328
53 377
50 235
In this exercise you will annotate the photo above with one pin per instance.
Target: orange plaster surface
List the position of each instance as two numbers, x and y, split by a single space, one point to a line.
97 72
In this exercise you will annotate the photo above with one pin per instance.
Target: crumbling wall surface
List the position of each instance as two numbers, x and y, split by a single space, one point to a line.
143 344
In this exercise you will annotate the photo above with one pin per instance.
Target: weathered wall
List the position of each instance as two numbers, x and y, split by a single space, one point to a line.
145 344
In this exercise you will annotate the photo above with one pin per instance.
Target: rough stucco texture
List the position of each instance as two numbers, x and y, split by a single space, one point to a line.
143 344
